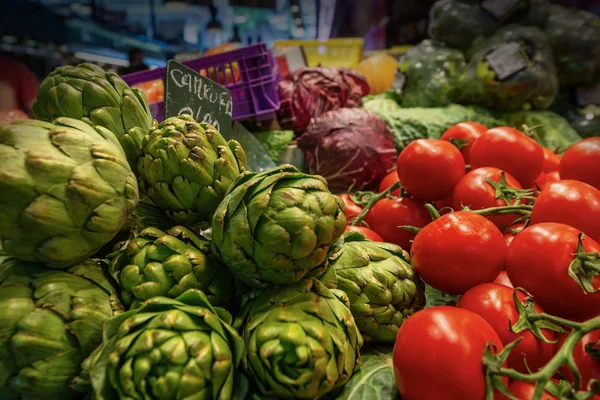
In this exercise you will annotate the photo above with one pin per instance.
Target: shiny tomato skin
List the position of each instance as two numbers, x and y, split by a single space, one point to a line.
539 182
551 160
474 191
588 366
438 354
509 234
385 217
502 279
539 259
494 303
369 234
457 251
524 391
469 131
550 177
569 202
352 209
388 181
429 168
581 162
511 151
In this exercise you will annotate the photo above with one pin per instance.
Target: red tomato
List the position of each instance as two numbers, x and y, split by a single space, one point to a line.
388 181
588 366
553 176
511 151
468 131
369 234
502 279
474 191
581 162
551 160
352 209
511 232
445 205
539 259
495 304
458 251
438 354
524 391
428 169
569 202
539 182
388 214
7 117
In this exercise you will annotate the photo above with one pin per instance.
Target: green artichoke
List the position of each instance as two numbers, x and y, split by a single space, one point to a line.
89 93
49 322
66 190
382 286
301 341
156 263
276 227
186 168
169 349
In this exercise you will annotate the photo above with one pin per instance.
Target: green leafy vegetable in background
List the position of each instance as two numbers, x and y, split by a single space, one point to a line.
433 75
275 142
408 124
536 85
574 36
546 127
374 380
459 23
436 298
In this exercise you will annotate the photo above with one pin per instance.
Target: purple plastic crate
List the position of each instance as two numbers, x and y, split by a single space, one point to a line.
254 95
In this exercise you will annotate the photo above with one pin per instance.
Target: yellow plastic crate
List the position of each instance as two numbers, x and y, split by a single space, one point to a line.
396 51
339 52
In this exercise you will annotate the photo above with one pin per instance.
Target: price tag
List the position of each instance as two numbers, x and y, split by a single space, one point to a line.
499 9
507 60
588 95
188 92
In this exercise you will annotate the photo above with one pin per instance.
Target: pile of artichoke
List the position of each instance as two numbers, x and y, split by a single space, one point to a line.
143 261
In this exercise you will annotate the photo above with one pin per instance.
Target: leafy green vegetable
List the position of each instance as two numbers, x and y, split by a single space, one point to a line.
459 23
575 39
535 85
546 127
374 380
433 75
275 142
436 298
408 124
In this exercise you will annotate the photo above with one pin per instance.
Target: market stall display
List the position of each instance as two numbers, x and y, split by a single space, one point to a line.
437 239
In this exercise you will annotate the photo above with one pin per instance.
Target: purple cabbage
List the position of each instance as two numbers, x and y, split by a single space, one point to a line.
309 92
349 146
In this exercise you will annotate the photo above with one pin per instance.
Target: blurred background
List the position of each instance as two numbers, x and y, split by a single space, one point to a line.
130 36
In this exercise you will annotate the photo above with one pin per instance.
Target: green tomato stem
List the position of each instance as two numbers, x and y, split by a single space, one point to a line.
374 199
563 356
522 209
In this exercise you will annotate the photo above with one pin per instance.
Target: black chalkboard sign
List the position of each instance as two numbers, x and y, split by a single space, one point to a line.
188 92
